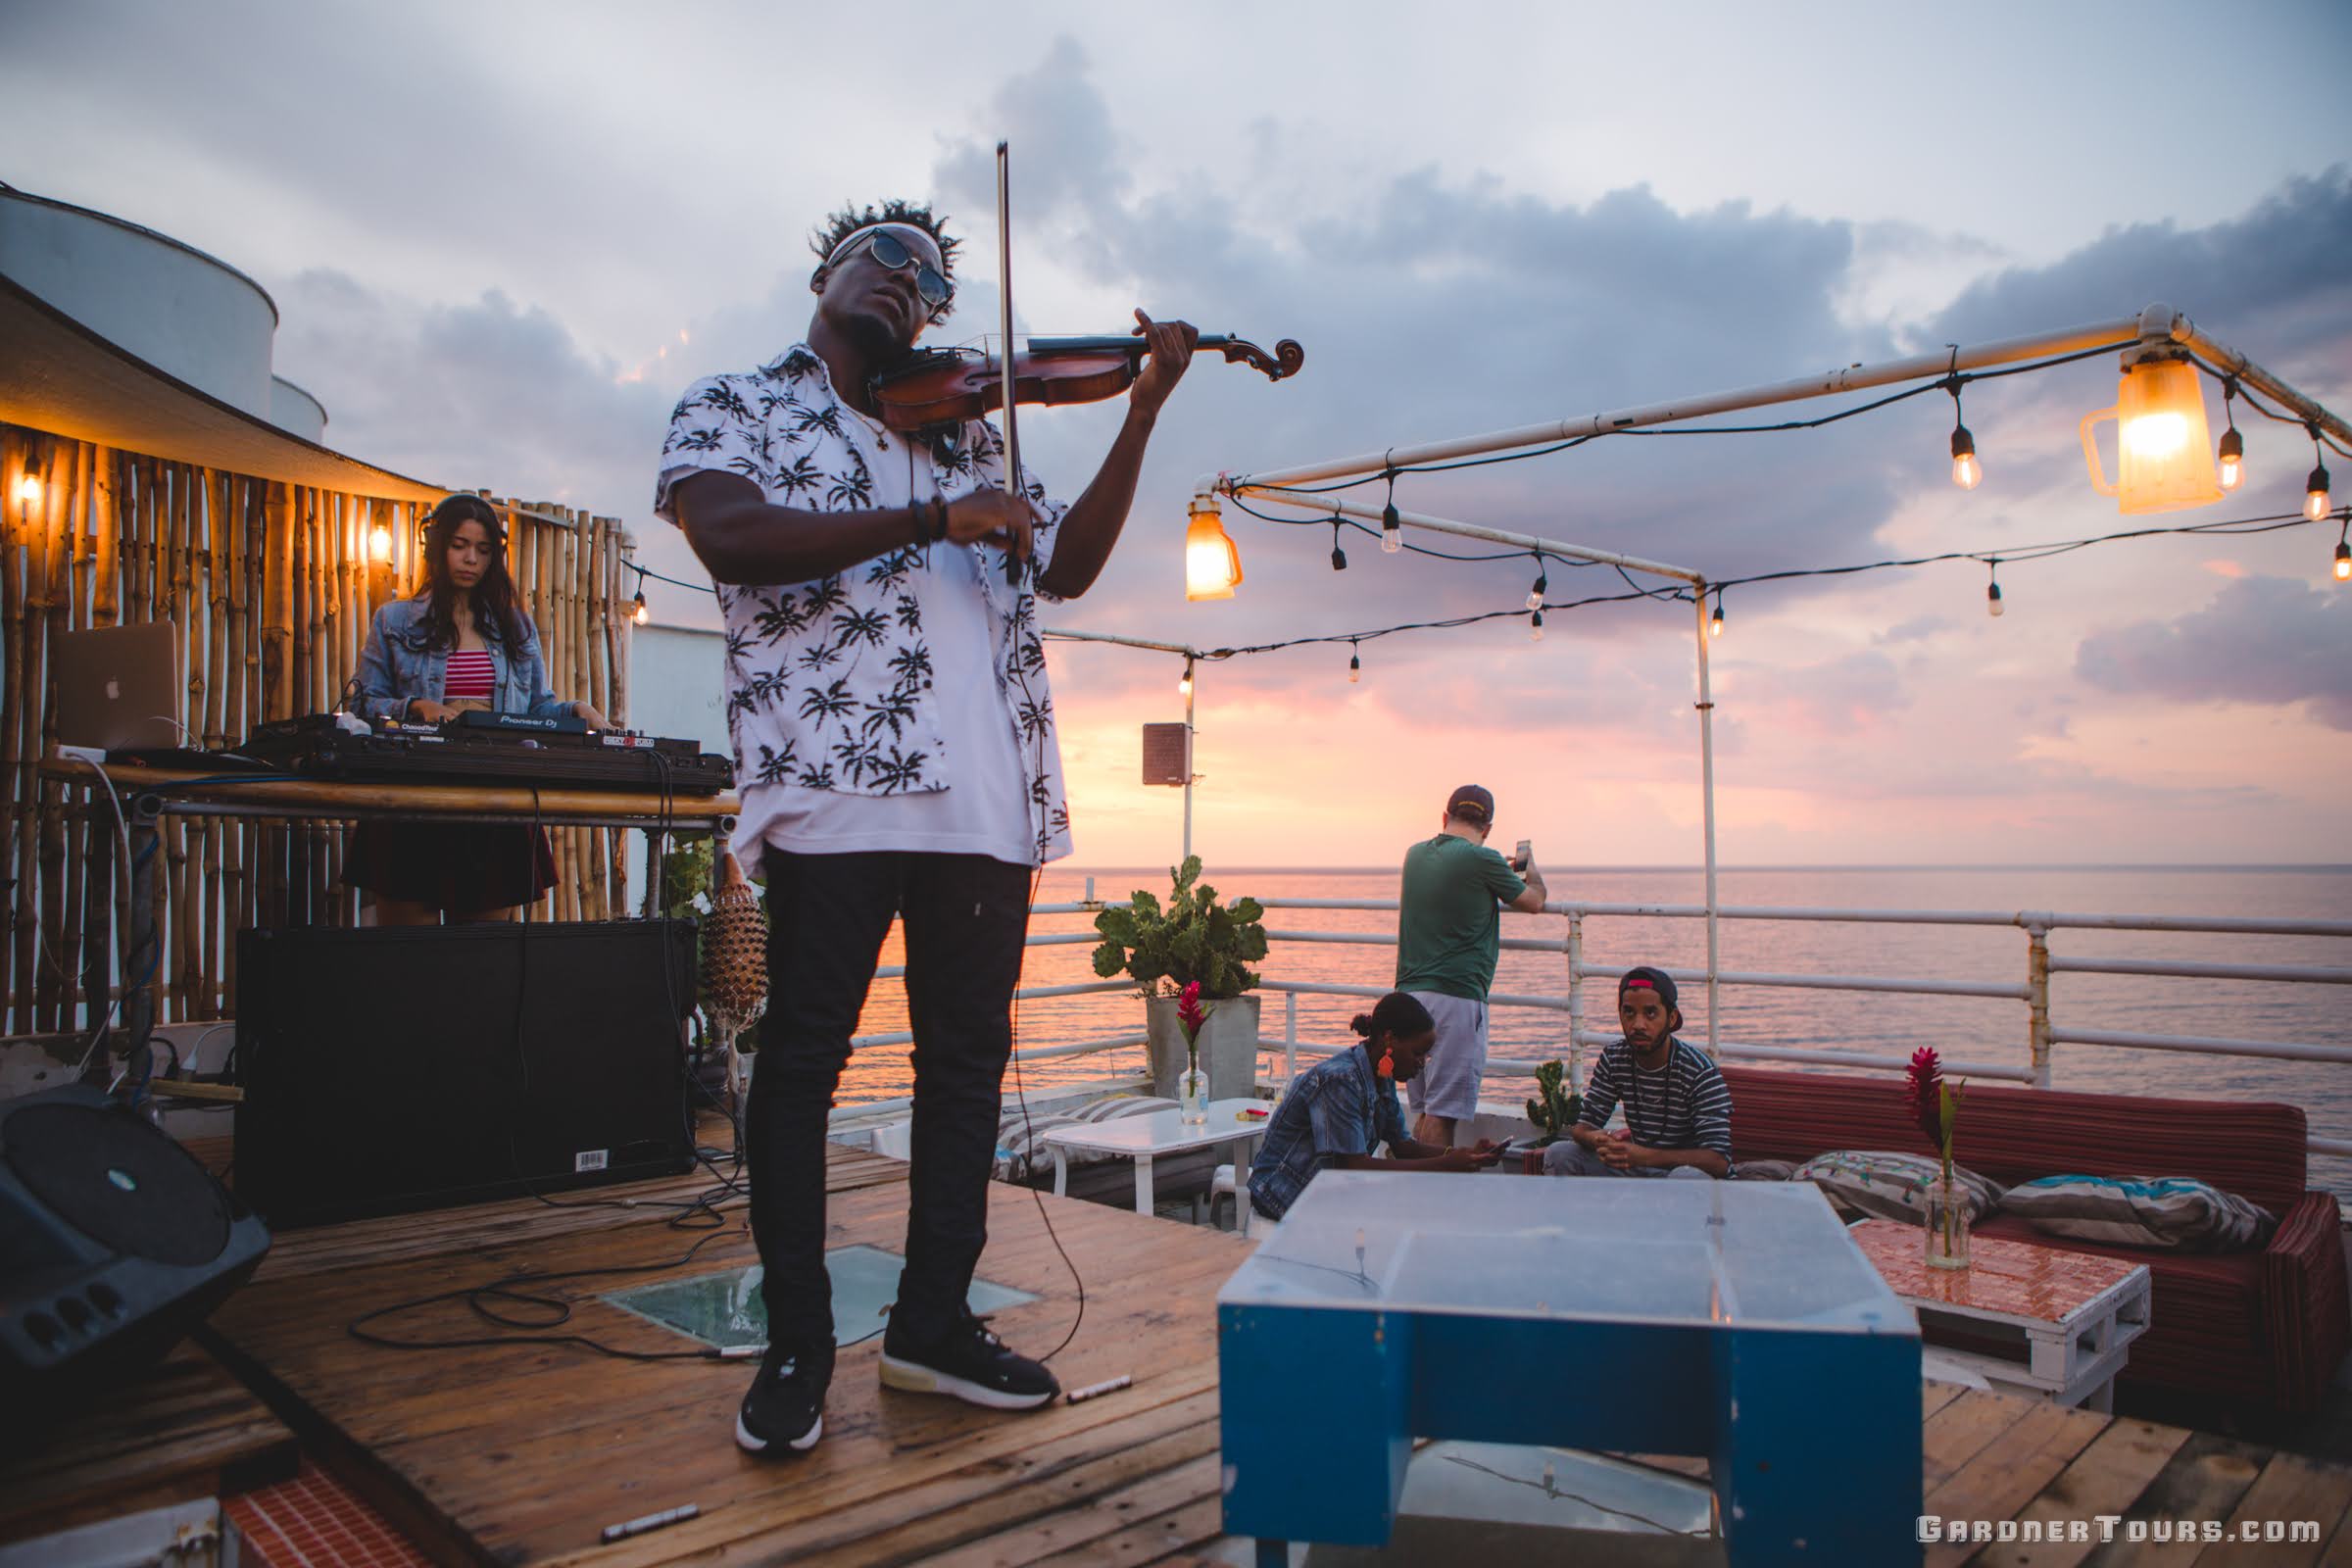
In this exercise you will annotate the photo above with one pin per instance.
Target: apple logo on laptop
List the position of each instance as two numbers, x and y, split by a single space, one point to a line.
114 690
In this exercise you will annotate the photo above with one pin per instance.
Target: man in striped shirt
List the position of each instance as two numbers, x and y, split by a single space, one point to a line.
1678 1111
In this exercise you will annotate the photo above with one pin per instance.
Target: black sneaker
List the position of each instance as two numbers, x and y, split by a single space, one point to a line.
968 1362
784 1410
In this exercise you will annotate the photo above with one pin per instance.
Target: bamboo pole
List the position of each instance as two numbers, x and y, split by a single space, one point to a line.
88 462
105 600
16 451
32 727
56 501
277 609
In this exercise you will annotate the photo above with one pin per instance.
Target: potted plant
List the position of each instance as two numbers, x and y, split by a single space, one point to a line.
1194 941
1556 1104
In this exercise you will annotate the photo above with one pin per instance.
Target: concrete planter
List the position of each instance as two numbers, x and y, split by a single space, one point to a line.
1228 1045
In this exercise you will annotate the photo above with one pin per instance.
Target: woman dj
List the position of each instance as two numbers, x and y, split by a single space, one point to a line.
460 642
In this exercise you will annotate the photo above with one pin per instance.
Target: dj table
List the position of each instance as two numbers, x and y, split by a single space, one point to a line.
147 794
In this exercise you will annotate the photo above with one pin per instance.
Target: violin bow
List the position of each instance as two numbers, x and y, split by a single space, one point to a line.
1012 434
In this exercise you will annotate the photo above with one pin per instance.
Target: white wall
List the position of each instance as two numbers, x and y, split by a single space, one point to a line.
677 684
676 687
179 310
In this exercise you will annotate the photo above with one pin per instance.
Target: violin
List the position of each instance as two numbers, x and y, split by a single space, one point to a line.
947 386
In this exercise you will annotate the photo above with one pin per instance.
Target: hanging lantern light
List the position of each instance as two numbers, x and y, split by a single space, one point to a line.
2161 437
1184 686
1212 565
29 490
1355 665
640 613
1715 621
2343 561
2315 503
379 542
1992 590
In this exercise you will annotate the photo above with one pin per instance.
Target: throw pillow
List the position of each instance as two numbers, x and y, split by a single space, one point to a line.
2174 1214
1764 1171
1892 1186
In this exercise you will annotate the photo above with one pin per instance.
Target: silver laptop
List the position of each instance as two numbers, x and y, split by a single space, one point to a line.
118 687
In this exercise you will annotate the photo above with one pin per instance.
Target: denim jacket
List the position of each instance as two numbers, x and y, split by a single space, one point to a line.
396 666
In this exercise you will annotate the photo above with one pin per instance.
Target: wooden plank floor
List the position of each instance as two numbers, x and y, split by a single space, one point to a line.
181 1430
520 1455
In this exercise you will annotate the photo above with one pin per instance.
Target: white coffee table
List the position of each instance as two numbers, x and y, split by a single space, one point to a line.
1162 1132
2066 1319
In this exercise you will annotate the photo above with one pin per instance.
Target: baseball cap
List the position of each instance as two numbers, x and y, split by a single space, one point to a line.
1647 978
1472 804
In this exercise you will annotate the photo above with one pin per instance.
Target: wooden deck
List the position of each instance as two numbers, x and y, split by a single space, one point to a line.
522 1454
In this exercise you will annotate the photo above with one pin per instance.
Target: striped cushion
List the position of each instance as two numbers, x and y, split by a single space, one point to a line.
2174 1214
1892 1186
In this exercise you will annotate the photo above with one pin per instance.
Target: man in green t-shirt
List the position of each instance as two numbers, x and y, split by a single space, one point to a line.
1448 935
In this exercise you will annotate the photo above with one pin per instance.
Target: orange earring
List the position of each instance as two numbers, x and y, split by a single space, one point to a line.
1388 1064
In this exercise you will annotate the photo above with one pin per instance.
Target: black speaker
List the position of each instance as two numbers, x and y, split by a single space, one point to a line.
114 1243
395 1068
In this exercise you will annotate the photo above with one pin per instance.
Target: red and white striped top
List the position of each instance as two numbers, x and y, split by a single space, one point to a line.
467 675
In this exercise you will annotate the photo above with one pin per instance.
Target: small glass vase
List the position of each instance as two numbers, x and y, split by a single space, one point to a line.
1192 1093
1947 1224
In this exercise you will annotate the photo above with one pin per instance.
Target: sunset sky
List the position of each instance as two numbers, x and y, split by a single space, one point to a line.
503 237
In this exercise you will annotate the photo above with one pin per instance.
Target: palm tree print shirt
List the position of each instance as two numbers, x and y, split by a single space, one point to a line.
901 704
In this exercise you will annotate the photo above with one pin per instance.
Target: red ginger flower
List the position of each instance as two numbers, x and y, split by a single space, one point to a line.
1926 1083
1189 1010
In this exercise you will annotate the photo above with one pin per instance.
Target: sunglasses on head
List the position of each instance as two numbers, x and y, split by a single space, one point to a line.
893 253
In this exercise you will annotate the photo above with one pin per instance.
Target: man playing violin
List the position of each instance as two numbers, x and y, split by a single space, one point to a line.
888 703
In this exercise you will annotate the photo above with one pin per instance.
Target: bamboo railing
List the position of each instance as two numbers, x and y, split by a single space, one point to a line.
271 587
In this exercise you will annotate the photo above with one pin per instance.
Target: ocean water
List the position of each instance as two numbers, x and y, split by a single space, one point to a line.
1891 1026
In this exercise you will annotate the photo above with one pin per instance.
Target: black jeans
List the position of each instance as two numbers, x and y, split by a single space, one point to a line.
966 919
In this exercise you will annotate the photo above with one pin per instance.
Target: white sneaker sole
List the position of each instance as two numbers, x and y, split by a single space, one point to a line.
914 1377
745 1440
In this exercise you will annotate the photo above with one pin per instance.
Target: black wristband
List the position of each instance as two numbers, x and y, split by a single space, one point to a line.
939 517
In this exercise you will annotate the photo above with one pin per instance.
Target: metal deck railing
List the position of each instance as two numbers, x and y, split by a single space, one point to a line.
2043 1033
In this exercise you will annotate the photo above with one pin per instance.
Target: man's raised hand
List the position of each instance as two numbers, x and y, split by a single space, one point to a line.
1171 355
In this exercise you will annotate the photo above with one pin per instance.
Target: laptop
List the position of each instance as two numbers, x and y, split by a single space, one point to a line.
118 688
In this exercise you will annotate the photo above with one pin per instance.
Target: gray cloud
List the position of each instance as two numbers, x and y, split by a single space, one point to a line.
2267 640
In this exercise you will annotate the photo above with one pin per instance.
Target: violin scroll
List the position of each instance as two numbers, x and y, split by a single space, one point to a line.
1283 362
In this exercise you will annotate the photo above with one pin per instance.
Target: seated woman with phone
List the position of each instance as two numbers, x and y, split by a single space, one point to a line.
462 641
1344 1106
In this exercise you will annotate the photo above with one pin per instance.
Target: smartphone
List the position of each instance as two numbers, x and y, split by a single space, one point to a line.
1523 855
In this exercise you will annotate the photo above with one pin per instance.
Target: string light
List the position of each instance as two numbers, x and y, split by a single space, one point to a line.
379 542
1715 621
1534 595
1534 626
1967 471
1391 531
1212 563
2233 451
2315 489
2343 553
1339 557
638 612
1355 665
29 490
1184 687
1992 589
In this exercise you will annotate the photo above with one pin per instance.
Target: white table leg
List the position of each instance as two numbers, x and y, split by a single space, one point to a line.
1061 1172
1245 1158
1142 1183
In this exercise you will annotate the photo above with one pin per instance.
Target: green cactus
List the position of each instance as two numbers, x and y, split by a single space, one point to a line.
1556 1104
1196 938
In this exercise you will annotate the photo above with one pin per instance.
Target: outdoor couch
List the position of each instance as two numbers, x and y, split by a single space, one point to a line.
2265 1326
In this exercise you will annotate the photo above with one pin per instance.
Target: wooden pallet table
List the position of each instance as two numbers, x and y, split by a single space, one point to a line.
2058 1324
